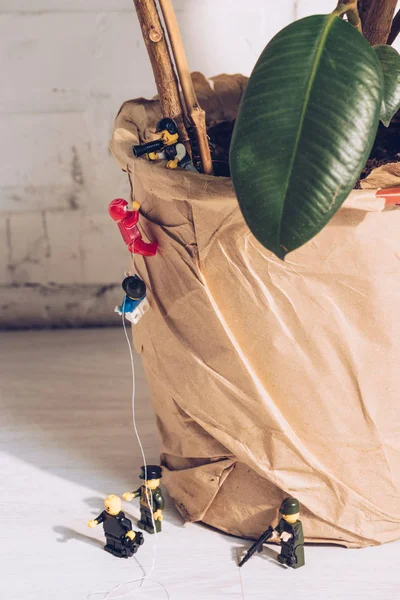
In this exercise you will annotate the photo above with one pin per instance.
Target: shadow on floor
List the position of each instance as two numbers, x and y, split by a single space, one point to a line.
68 534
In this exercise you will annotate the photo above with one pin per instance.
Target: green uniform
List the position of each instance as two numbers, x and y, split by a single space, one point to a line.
292 551
150 502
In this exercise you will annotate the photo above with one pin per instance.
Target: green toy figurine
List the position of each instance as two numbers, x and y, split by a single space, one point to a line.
288 532
151 499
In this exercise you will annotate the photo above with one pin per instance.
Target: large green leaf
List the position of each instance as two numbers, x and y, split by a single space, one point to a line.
305 127
390 63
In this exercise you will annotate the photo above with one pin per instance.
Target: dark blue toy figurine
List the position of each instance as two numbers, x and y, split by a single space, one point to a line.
135 303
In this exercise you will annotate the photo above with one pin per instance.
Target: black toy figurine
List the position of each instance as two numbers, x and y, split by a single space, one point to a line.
288 532
151 499
167 147
121 541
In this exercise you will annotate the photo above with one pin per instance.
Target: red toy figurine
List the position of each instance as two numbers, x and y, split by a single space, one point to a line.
127 220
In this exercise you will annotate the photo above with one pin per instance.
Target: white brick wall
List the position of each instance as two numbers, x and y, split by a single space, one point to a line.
67 66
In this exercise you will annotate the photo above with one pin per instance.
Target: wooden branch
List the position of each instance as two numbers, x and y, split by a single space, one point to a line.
376 18
164 74
395 30
194 112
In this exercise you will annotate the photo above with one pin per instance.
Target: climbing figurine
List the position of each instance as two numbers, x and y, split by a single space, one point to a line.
135 303
167 147
288 532
151 499
127 220
121 541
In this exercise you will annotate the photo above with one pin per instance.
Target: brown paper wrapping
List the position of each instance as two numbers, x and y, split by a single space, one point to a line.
268 378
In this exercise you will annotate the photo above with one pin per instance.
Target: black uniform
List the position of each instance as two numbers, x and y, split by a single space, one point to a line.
115 529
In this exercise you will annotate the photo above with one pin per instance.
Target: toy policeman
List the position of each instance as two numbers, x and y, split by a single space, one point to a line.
135 304
289 532
121 541
151 499
174 151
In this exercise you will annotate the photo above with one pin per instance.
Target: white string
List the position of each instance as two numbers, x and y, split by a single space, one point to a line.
145 577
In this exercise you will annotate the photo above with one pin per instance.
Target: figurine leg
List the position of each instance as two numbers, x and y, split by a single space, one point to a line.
146 522
190 167
116 548
299 556
142 248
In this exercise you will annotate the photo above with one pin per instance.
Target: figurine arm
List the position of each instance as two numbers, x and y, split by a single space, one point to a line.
132 220
157 155
125 523
158 500
180 152
129 496
94 522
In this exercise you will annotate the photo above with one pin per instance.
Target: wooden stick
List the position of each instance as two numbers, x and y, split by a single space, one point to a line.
195 113
164 74
376 17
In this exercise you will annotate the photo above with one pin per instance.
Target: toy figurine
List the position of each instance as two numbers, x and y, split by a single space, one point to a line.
289 532
135 304
127 220
167 147
151 499
121 541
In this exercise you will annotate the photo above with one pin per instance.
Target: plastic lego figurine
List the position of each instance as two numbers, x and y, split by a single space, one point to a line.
168 147
151 499
127 220
135 304
288 532
121 541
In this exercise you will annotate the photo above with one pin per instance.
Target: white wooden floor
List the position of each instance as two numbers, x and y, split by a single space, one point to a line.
68 441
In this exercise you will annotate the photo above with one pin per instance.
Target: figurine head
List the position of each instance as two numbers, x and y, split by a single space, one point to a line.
290 510
168 131
134 287
112 504
117 209
151 475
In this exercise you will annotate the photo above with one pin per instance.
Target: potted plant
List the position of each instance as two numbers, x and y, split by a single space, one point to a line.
272 377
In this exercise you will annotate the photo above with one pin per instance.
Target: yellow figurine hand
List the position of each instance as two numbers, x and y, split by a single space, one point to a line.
135 205
172 164
92 523
152 155
158 515
128 496
131 535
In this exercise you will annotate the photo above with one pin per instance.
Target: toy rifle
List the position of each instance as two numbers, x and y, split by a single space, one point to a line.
154 146
257 546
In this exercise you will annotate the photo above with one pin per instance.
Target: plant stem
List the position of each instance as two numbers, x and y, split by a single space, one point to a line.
164 74
349 7
195 113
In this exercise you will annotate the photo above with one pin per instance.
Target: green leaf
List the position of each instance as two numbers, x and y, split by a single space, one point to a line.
390 63
305 128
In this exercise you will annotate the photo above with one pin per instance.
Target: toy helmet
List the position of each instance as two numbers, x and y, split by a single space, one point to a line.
168 124
151 472
134 287
117 209
290 506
